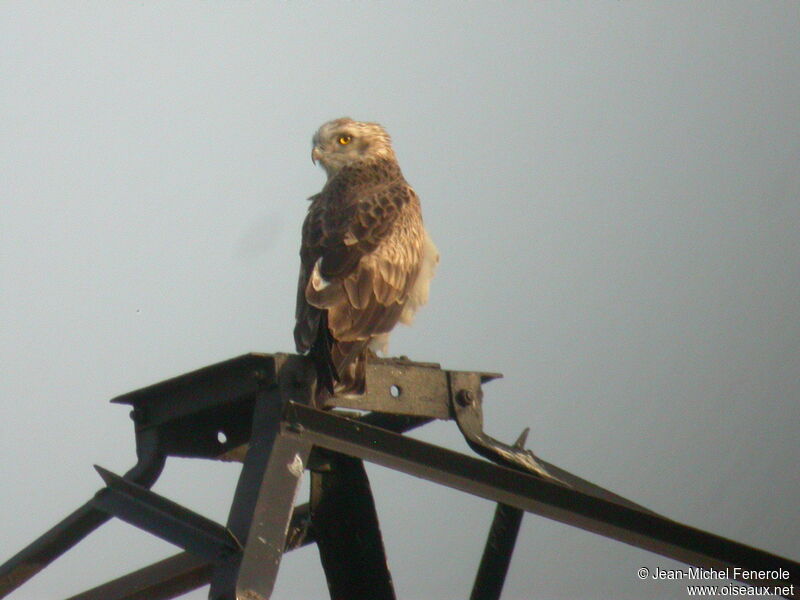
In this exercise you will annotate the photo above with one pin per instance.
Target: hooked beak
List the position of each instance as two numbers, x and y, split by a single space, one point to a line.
316 154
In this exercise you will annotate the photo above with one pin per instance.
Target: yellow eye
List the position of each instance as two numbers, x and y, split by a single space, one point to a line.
345 139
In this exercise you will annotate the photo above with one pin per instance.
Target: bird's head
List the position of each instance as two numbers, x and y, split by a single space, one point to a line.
344 142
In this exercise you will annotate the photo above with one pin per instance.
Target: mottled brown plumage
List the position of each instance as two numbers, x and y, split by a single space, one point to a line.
366 259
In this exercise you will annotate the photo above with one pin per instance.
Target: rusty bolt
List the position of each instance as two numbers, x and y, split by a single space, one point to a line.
464 397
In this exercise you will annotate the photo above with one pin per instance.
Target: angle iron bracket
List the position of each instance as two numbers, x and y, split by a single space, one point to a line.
466 405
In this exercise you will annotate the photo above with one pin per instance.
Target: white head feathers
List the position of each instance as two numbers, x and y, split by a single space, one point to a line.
344 142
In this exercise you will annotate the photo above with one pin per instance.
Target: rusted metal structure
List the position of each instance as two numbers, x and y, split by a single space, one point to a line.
259 409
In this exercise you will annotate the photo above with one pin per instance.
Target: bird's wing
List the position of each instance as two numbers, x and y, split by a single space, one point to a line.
307 317
360 258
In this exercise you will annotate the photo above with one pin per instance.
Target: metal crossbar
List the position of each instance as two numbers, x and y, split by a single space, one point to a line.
261 410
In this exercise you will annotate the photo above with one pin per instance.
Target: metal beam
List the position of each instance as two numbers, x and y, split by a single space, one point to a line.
402 387
49 546
641 529
183 572
165 579
212 386
163 518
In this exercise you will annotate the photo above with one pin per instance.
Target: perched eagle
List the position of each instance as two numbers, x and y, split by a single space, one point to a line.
366 260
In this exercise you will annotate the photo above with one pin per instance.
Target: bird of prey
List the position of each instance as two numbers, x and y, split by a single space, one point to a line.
366 259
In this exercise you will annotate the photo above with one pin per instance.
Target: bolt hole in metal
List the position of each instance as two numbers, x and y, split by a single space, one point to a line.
395 391
221 437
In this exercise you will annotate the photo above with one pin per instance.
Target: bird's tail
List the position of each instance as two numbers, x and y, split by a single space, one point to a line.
341 366
350 359
320 353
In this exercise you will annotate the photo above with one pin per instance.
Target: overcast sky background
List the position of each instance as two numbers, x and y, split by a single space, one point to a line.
614 188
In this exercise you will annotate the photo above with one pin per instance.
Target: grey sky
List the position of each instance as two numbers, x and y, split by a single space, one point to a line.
613 186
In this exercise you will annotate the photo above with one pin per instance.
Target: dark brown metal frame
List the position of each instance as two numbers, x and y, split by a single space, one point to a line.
259 409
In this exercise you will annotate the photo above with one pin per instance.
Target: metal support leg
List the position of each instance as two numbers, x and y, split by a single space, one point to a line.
262 505
346 528
497 553
499 546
